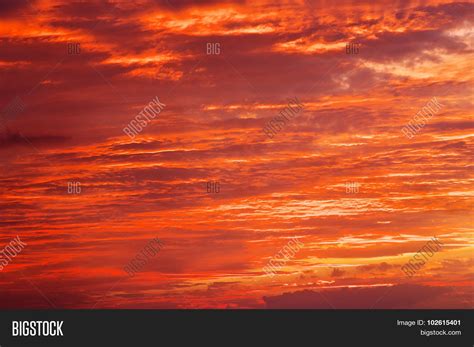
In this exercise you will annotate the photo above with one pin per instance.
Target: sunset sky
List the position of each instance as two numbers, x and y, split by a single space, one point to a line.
69 128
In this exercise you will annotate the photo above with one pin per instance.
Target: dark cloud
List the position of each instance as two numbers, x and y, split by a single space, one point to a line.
401 296
10 139
14 7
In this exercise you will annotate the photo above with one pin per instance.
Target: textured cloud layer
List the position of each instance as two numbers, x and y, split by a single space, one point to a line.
340 176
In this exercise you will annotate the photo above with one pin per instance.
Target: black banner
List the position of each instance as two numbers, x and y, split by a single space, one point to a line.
244 327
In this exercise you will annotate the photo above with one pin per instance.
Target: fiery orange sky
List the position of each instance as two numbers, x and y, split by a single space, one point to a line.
296 185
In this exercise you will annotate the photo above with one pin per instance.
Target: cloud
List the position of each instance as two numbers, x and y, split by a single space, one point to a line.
12 7
293 185
401 296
